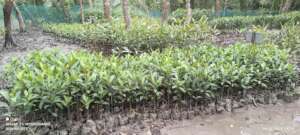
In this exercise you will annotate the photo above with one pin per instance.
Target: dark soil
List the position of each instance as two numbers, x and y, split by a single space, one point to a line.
279 119
35 40
226 38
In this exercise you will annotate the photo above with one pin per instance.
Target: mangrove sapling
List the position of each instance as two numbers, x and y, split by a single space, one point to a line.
144 35
174 77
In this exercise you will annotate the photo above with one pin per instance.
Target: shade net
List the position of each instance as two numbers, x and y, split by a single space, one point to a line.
69 12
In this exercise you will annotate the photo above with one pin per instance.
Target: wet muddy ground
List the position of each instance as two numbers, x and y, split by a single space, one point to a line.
32 41
280 119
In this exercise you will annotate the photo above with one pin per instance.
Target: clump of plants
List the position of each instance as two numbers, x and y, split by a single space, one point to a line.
144 35
287 38
273 21
57 84
96 15
198 13
1 31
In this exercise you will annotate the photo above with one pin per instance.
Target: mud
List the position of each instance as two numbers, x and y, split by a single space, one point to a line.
34 40
227 38
279 119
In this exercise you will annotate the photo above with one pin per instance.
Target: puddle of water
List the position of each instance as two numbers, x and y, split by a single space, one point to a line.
297 118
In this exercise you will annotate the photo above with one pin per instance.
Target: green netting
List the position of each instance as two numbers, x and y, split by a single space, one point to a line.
226 13
48 14
55 14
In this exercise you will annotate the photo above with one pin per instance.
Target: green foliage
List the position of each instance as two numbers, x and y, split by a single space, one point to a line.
197 13
96 14
287 38
144 35
237 22
92 15
2 31
49 81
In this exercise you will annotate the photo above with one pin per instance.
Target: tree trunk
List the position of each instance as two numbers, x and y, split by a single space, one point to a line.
144 6
165 10
7 9
287 5
106 8
189 14
81 11
65 10
243 5
126 14
20 18
91 4
76 2
218 7
225 7
192 4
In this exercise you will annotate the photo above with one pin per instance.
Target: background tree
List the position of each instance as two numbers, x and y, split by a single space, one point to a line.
243 5
91 4
165 10
81 11
7 10
20 18
64 6
189 15
126 15
287 5
106 8
218 7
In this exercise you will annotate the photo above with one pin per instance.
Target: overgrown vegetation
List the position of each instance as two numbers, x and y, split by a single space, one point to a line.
238 22
198 13
287 38
116 13
53 82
